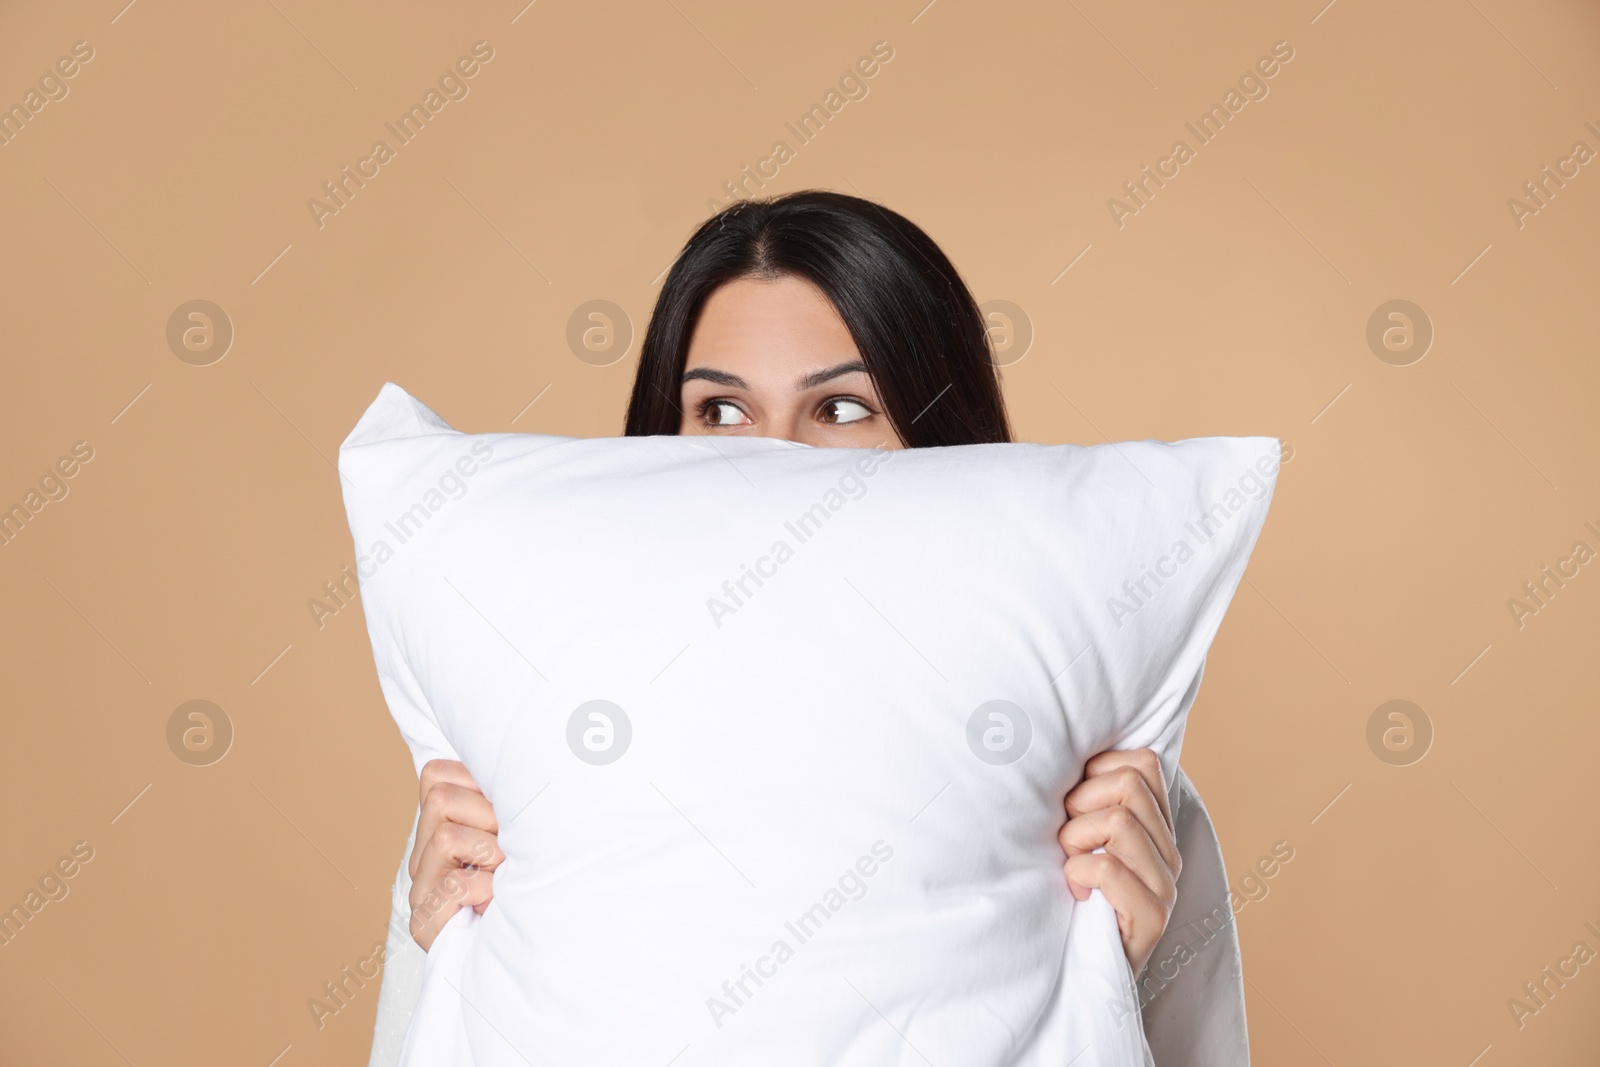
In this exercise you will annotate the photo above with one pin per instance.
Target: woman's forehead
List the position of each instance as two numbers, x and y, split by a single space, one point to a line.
770 329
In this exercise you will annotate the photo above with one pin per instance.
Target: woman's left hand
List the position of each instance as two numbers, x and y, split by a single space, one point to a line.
1121 806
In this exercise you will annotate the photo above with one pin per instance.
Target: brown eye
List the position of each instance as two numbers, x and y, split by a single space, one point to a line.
841 411
723 413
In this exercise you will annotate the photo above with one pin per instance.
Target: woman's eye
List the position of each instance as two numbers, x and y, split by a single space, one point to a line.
723 413
842 410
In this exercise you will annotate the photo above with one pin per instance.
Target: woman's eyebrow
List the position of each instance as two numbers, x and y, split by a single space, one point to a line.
816 378
719 377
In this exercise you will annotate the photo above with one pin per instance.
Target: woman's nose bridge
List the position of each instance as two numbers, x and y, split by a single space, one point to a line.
785 420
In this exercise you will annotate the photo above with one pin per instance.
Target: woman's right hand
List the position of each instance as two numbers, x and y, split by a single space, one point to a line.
452 865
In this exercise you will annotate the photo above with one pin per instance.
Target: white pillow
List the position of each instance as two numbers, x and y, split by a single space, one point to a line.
777 736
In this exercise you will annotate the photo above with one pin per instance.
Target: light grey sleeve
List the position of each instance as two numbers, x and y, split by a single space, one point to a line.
402 969
1192 989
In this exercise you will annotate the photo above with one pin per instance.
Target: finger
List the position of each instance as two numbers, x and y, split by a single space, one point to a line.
455 870
449 794
1121 834
435 900
1143 760
443 770
1125 787
456 845
433 773
1141 917
455 850
448 803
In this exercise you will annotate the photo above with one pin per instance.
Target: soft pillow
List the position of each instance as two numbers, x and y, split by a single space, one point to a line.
777 736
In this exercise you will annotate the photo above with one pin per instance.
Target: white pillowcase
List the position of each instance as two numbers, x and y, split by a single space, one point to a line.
777 736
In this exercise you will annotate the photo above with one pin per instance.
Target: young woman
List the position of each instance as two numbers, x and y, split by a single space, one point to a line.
832 321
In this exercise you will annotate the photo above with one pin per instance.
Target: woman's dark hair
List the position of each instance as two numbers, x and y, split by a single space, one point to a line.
912 318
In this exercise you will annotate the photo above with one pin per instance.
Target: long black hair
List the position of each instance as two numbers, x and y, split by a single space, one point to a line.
913 320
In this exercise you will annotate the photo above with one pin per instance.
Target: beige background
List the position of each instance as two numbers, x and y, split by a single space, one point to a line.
1419 498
